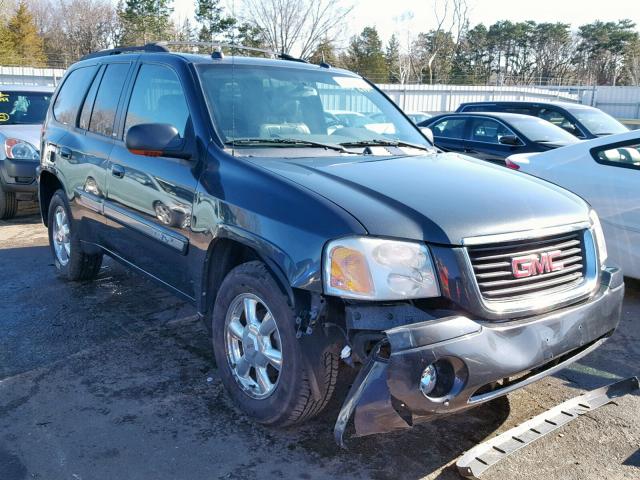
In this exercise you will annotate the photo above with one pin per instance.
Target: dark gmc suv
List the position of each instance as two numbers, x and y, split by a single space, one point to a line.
447 281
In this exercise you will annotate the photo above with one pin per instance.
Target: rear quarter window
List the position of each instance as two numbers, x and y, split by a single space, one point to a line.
71 95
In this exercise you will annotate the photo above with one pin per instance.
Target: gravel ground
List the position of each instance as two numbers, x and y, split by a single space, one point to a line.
115 380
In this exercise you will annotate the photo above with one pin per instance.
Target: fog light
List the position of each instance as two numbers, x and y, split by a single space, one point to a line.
428 380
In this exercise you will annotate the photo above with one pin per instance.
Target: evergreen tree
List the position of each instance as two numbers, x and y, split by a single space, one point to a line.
325 52
144 21
392 58
214 24
366 57
7 52
22 39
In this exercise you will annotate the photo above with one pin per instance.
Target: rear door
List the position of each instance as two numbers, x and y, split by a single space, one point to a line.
149 199
484 139
449 133
79 159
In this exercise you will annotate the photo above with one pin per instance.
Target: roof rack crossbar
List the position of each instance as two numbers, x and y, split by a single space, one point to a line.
149 47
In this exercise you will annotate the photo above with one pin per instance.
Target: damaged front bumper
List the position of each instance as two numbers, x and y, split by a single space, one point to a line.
476 361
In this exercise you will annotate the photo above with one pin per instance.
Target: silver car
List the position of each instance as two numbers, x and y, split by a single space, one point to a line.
22 112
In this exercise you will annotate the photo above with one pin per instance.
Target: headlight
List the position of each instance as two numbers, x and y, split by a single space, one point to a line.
597 230
378 269
16 148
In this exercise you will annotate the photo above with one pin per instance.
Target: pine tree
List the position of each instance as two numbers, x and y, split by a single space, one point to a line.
366 57
22 40
7 51
145 21
392 59
326 52
214 24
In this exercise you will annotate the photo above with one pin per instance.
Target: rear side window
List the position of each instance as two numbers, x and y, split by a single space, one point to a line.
87 107
479 108
626 155
107 98
449 128
65 108
157 97
488 131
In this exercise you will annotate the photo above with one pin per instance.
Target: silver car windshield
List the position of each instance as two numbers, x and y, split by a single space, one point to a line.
273 106
17 108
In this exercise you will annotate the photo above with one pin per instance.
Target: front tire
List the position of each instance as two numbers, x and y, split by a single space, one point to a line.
257 352
8 204
72 263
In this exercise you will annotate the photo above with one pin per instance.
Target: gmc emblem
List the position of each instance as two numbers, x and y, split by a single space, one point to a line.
535 264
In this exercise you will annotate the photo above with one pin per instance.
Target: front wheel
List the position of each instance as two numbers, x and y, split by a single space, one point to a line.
71 262
257 352
8 204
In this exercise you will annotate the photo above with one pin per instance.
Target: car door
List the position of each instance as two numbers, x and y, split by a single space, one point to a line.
149 199
79 157
483 140
449 133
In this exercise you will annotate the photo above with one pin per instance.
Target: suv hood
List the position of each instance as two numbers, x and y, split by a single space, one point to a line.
441 198
28 133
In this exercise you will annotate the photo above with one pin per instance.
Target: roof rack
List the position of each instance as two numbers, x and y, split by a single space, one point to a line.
215 46
149 47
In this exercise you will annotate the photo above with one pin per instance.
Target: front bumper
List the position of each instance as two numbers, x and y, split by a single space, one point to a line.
479 359
19 176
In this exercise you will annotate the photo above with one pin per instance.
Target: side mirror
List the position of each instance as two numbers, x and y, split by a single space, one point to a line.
509 140
155 140
426 131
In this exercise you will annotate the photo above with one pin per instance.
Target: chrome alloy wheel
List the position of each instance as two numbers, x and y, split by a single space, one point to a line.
61 236
254 348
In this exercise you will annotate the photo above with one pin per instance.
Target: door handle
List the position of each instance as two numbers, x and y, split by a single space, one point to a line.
117 171
65 152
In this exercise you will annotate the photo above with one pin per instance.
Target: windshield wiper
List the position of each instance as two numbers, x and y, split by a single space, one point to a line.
285 141
385 143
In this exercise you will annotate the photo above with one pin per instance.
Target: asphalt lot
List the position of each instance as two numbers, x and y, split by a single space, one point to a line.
115 380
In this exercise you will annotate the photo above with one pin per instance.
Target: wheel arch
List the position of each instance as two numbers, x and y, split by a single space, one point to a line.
227 252
48 184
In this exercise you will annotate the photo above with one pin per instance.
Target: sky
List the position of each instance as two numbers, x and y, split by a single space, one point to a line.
400 16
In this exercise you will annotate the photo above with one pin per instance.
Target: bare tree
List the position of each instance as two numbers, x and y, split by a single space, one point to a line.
72 28
451 22
297 26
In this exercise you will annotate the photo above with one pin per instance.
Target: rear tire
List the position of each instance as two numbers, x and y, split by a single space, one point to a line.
8 204
288 398
72 263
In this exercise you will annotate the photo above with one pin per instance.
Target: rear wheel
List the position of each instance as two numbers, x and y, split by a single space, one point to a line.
257 352
8 204
71 262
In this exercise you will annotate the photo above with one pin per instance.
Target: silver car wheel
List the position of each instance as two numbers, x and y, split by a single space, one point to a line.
61 236
253 346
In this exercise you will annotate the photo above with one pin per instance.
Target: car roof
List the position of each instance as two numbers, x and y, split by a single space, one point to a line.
199 59
499 115
566 105
27 88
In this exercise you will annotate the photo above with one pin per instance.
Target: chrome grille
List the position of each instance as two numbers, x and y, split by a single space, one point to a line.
492 266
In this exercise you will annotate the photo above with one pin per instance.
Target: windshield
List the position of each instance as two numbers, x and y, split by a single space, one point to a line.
538 130
17 108
598 122
272 106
